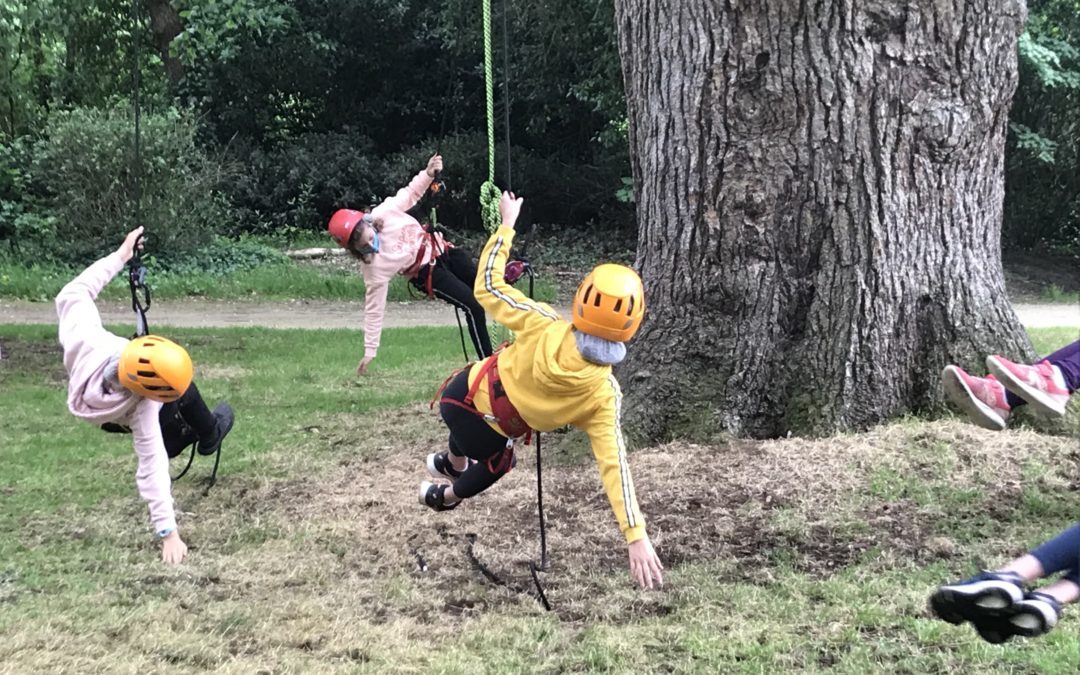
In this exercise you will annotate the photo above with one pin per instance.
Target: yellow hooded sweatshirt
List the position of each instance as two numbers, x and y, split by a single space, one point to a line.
550 383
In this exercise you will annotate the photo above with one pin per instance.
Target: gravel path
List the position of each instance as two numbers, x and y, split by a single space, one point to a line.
326 314
214 314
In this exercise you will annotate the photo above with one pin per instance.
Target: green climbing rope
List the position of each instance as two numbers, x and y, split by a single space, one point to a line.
489 193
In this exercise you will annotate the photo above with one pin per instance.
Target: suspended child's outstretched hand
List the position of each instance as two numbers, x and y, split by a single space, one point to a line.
434 165
509 208
645 565
132 241
173 548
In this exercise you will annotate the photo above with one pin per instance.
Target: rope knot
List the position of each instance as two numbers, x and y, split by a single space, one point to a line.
489 206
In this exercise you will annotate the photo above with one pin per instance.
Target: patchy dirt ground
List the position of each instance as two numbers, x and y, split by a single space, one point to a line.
815 506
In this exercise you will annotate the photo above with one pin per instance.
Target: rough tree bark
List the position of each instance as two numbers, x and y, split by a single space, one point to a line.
819 190
166 24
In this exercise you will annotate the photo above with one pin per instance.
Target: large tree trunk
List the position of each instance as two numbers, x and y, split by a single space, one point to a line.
166 24
819 189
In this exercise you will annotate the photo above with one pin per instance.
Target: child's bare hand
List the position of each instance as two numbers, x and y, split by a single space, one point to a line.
645 565
132 241
173 548
434 165
509 208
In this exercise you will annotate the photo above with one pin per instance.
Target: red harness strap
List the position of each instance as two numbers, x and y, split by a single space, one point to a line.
418 264
503 412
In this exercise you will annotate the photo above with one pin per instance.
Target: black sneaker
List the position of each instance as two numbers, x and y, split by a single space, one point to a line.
983 599
1035 615
431 496
224 416
994 629
439 466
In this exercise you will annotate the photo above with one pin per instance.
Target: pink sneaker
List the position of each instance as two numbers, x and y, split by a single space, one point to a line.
982 398
1039 384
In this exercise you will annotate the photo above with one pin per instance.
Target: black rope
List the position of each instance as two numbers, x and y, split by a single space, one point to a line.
213 474
136 270
191 459
534 569
506 92
542 567
135 75
461 332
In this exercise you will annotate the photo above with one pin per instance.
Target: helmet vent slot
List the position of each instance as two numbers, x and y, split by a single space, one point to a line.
630 309
146 373
618 305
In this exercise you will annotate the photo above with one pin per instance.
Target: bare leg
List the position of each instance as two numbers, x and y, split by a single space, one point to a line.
459 462
1062 590
1026 566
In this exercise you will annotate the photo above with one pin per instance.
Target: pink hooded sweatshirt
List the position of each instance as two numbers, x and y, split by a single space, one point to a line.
404 247
87 350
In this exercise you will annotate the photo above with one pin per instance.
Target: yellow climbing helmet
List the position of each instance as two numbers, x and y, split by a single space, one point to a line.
156 368
610 303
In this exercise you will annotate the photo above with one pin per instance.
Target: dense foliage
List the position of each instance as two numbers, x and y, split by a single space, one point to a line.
1042 204
264 115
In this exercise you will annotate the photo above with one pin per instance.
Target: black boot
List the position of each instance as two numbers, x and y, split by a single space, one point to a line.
223 418
177 434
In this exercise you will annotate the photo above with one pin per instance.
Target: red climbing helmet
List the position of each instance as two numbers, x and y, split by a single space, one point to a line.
342 224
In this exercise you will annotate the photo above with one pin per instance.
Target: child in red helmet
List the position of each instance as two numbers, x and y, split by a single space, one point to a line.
388 241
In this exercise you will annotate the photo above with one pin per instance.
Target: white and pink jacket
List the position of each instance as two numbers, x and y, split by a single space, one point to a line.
404 247
87 350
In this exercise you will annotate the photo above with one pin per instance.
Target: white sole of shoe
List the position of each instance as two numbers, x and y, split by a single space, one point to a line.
434 471
991 596
959 393
1038 400
424 486
1034 618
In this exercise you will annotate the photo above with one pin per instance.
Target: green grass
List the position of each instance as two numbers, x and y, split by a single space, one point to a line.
1056 294
286 281
1047 340
794 556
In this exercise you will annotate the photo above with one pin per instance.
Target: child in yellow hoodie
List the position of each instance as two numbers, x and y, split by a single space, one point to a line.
556 372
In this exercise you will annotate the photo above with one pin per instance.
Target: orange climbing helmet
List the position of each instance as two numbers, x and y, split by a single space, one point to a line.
156 368
342 224
610 303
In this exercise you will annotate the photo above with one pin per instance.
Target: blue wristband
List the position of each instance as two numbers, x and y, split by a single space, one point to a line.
166 532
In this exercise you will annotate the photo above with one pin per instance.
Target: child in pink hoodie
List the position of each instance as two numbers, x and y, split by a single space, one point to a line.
389 241
95 394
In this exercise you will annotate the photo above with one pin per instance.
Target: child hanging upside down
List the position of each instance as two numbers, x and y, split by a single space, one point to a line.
388 241
143 385
998 603
989 400
555 373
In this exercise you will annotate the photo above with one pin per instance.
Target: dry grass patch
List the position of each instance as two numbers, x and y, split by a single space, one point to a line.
816 506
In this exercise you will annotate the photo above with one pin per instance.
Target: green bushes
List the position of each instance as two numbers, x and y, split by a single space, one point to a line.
71 195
